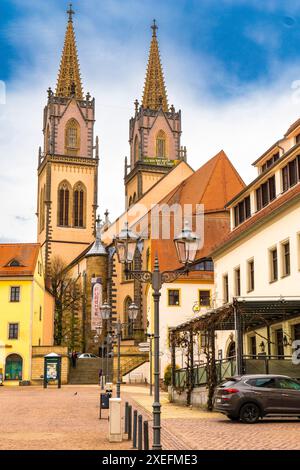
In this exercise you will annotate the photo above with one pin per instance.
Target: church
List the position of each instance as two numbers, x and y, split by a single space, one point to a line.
157 172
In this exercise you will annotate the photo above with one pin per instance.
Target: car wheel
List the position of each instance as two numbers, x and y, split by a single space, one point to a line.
233 418
250 413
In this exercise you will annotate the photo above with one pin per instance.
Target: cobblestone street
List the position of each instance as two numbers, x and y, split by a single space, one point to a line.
33 418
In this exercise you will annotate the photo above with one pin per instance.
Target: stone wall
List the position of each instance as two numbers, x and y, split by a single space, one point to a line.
37 368
198 397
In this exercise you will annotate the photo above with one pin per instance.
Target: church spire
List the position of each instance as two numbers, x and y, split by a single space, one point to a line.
155 95
69 81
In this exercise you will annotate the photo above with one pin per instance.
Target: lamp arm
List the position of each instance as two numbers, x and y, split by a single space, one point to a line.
143 276
171 276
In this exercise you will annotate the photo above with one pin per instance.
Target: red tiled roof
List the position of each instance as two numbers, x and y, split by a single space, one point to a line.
25 253
212 185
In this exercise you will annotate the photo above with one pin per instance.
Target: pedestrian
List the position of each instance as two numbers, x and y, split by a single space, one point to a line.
74 358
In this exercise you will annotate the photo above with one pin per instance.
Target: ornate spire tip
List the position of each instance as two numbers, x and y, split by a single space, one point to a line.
70 12
154 28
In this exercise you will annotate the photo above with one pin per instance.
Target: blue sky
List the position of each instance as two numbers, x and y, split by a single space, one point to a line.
228 64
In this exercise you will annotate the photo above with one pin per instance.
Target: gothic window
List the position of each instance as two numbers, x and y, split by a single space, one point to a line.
64 204
79 205
161 151
136 149
72 136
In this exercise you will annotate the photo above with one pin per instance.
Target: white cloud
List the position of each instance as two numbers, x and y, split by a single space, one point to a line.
113 70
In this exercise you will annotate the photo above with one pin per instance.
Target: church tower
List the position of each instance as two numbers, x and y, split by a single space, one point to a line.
68 163
154 132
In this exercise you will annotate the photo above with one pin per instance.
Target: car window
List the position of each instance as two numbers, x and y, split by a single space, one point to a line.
289 384
265 382
228 383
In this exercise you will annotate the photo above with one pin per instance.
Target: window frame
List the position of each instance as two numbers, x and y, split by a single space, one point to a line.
209 297
272 277
10 294
250 275
10 325
284 271
179 297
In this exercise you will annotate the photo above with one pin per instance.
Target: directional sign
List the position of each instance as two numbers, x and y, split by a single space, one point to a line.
144 349
144 345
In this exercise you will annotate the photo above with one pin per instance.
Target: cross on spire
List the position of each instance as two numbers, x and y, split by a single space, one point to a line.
154 28
70 12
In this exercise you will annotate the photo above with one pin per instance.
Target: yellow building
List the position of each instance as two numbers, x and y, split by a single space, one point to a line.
27 309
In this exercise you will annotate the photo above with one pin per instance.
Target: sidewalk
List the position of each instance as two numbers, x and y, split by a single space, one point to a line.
140 399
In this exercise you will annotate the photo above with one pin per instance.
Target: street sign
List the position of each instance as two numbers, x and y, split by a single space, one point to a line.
144 349
144 345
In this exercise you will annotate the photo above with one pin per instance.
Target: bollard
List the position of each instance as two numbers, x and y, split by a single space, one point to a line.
134 439
140 432
129 422
126 417
146 435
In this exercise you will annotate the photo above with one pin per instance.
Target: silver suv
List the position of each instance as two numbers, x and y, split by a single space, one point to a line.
250 397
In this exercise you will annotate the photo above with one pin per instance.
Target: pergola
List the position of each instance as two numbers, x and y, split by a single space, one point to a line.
244 314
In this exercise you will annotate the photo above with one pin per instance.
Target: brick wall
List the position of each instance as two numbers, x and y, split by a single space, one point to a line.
37 368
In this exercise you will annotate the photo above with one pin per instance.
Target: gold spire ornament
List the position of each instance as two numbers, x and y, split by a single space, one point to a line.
69 80
155 95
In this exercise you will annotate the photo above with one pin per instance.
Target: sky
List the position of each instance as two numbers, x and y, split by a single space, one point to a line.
231 66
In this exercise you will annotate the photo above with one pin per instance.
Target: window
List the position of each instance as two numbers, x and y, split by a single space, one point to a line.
72 138
286 259
290 174
252 341
14 263
289 384
273 265
242 211
204 298
79 205
42 209
161 145
237 281
15 294
297 138
40 316
225 289
63 204
250 275
263 383
270 162
205 265
13 331
173 297
265 193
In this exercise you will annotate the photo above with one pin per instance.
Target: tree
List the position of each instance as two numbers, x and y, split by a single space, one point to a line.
68 300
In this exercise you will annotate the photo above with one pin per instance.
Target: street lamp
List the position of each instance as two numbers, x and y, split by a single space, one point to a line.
105 311
186 244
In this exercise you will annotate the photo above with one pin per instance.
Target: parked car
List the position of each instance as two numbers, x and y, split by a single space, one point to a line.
250 397
87 356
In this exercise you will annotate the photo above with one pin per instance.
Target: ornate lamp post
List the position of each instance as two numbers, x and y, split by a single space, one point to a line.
105 311
186 247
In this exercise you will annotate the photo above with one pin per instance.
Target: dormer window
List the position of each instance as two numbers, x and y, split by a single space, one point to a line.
270 162
297 138
14 263
265 193
242 211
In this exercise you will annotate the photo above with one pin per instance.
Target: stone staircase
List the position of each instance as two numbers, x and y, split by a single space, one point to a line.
131 357
87 371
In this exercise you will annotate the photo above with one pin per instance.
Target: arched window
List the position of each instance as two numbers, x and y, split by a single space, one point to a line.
134 198
13 367
79 197
130 201
64 204
231 349
161 145
72 136
136 149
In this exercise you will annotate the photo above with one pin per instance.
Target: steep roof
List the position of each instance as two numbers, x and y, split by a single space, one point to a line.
212 185
155 95
69 80
26 254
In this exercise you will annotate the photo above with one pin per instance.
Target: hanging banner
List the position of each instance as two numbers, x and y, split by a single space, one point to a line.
96 318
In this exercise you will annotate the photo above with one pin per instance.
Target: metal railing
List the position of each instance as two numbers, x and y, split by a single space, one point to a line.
260 364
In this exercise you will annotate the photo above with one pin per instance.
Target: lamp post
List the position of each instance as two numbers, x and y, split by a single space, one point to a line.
105 311
186 244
